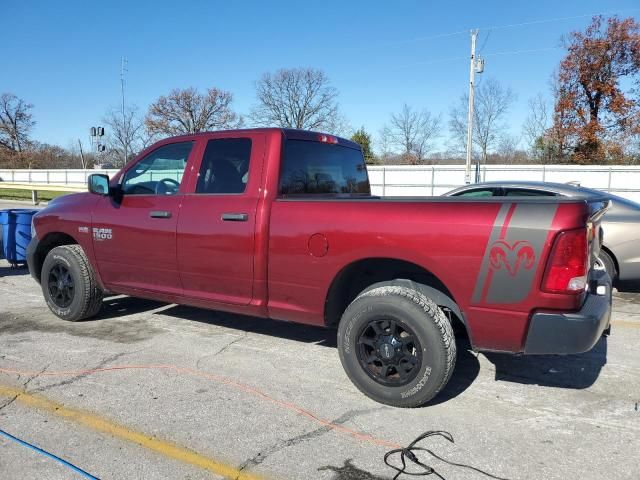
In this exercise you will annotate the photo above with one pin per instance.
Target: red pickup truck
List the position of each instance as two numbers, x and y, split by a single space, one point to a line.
281 224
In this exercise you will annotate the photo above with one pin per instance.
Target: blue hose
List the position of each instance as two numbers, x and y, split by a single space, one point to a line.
47 454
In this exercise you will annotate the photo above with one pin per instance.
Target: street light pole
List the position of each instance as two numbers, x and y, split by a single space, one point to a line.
472 75
125 127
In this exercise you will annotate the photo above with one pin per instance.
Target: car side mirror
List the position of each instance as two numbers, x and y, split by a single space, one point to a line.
98 183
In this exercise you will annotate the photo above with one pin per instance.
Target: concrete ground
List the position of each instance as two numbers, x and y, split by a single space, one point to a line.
148 390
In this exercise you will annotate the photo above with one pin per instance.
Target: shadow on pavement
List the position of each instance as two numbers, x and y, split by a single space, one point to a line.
466 370
571 371
120 305
561 371
350 472
464 374
290 331
628 286
7 271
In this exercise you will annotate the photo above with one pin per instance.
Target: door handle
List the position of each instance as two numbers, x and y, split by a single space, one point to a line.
160 214
235 217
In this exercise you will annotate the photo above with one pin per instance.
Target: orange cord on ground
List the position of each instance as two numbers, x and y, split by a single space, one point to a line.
363 437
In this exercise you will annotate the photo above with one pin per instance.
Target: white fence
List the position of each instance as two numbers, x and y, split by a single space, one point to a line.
74 176
420 180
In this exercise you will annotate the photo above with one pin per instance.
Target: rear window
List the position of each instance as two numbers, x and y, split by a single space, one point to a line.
476 193
529 193
321 168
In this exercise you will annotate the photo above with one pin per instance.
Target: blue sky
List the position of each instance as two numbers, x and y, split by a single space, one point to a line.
64 57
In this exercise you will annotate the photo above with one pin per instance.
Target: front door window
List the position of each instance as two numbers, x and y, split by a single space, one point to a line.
160 172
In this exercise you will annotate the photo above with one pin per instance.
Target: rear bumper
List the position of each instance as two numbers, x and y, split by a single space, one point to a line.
577 332
31 258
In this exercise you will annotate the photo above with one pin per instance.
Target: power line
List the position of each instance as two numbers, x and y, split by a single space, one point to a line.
491 54
432 62
484 44
430 37
505 26
514 52
555 19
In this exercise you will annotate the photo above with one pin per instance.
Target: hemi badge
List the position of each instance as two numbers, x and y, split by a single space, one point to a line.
83 229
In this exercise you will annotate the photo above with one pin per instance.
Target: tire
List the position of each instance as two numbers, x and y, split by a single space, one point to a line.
607 264
69 285
420 326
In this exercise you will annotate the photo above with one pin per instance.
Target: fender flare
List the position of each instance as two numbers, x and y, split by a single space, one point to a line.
441 299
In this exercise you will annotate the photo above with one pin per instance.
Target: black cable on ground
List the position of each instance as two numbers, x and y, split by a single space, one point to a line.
408 454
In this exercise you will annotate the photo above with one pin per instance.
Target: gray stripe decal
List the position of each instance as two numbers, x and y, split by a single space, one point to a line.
530 224
486 262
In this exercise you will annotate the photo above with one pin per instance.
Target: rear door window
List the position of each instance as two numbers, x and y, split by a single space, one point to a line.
225 166
320 168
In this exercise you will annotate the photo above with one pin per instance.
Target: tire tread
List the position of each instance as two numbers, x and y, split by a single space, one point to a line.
439 318
93 295
431 309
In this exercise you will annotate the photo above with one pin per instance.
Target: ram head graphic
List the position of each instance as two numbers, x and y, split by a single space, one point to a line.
512 256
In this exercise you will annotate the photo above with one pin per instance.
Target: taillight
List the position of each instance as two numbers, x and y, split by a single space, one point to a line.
568 264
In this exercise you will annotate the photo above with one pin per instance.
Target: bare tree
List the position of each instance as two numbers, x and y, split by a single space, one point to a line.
16 122
492 102
538 120
507 149
412 132
297 98
539 131
188 111
126 133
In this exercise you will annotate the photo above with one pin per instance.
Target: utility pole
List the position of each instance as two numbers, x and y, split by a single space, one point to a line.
84 164
123 68
472 75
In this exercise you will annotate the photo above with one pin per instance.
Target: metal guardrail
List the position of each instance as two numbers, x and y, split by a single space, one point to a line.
49 187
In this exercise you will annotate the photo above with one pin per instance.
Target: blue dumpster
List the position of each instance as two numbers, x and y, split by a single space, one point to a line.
3 220
15 226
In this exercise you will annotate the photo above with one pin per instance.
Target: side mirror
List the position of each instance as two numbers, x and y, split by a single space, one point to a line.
98 183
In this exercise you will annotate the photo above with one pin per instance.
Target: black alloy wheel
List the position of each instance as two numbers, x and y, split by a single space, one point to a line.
389 351
396 344
61 285
69 285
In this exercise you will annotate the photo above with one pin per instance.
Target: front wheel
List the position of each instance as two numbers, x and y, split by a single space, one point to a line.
69 285
396 345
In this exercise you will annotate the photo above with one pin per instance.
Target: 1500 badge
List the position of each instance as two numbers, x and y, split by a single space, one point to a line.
102 234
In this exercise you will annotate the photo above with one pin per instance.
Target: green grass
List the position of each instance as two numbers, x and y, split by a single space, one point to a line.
43 195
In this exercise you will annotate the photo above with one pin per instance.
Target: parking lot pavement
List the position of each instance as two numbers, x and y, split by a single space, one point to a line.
148 390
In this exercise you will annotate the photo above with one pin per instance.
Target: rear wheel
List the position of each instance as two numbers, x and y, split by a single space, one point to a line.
69 285
605 262
396 345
